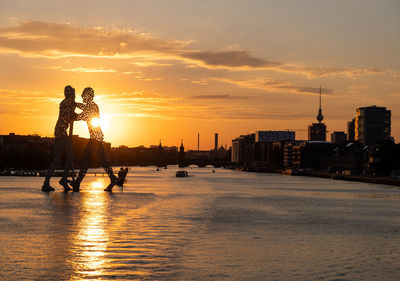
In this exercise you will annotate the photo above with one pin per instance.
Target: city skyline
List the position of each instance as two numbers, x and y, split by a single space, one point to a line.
173 69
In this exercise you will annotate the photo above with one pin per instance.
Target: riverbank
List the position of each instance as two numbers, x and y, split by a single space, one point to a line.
358 178
327 175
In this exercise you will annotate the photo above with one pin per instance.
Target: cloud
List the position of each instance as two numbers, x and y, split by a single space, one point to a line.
243 60
77 69
142 104
23 97
275 86
315 72
218 97
149 63
55 40
359 87
207 112
26 104
136 98
61 39
229 59
200 82
154 105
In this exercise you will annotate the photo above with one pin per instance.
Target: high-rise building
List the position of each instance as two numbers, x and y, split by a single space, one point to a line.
317 131
351 130
338 137
216 141
372 124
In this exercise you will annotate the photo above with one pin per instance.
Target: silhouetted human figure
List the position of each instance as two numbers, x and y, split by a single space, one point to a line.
62 142
91 114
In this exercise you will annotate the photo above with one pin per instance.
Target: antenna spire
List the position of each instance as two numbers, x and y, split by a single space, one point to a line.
320 90
320 117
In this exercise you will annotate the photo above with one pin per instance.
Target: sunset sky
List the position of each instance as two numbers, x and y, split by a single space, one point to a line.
170 69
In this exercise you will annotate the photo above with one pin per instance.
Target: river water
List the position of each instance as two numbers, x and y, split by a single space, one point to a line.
222 225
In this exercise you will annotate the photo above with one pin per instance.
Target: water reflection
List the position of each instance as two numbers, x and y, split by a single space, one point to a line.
90 244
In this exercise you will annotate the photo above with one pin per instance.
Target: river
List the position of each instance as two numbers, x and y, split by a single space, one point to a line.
221 225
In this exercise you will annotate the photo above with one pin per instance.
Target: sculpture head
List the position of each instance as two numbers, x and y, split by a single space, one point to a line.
87 94
69 92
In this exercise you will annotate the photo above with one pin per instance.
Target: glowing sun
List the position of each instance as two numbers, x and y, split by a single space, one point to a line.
102 122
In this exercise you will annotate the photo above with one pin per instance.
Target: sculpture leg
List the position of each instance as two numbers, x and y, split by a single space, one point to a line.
56 161
107 167
68 166
84 166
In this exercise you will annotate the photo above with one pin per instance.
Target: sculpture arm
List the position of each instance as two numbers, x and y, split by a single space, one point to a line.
80 116
79 105
84 115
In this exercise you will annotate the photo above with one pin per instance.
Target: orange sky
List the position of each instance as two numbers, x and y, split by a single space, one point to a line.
200 68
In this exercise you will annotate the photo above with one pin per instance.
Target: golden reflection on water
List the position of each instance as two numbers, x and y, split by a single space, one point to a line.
90 243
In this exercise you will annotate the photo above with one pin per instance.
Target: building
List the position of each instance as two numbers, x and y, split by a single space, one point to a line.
274 136
181 151
338 137
291 155
22 140
351 130
35 152
243 150
25 151
216 142
306 155
372 124
268 156
268 149
181 156
345 158
317 131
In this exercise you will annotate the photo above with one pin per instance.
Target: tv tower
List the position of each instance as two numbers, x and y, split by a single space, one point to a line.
317 131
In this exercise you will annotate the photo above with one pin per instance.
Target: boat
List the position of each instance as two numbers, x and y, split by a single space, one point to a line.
181 174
